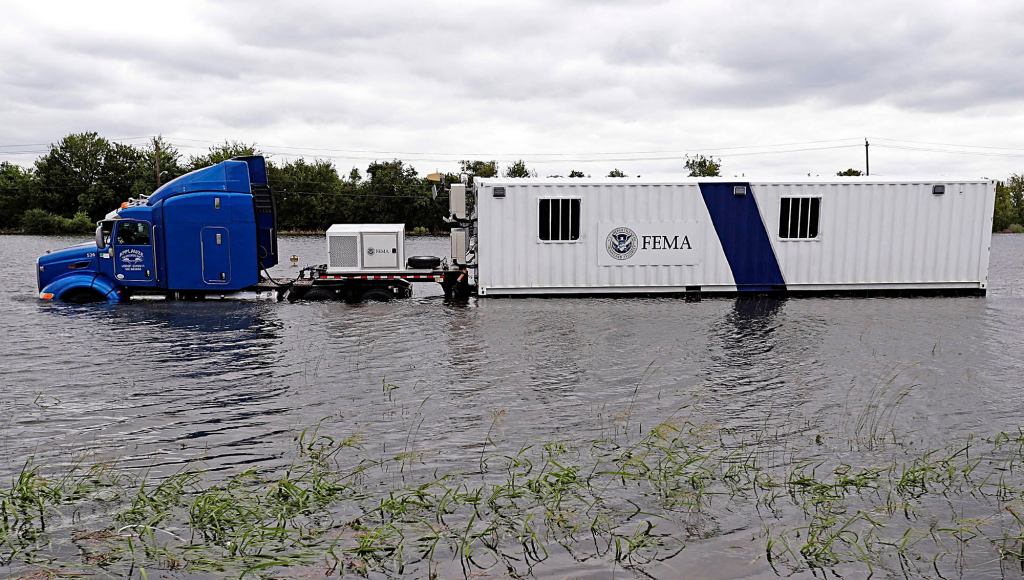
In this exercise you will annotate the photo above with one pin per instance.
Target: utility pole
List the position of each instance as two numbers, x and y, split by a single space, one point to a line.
156 156
867 160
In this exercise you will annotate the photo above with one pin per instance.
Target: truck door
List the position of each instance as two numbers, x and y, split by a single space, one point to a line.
216 255
132 251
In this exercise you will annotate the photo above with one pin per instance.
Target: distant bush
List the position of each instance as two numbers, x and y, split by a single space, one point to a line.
1015 229
419 231
38 221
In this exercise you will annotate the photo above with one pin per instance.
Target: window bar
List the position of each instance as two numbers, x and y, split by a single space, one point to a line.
815 217
794 217
551 219
801 227
568 234
784 218
555 217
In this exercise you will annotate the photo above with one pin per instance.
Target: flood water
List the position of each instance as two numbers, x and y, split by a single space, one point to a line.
156 385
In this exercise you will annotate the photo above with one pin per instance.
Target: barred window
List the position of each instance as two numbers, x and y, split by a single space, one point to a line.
799 218
558 220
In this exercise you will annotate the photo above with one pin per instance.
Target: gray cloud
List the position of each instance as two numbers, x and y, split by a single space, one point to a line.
571 76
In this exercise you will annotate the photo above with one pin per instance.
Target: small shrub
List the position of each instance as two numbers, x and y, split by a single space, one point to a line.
38 221
419 231
1015 229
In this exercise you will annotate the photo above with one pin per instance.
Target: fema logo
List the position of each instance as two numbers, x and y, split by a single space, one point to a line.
369 251
621 243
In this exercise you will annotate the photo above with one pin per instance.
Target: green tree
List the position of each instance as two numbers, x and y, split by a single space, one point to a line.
575 173
479 168
703 166
616 173
222 152
851 172
17 192
1005 213
69 169
170 166
519 169
308 194
123 167
1015 189
395 192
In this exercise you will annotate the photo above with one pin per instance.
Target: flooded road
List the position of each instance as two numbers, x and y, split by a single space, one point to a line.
158 385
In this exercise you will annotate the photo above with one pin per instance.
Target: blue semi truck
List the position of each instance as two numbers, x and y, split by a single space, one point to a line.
212 234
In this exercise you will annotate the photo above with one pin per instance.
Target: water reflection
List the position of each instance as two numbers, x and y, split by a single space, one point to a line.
163 377
761 365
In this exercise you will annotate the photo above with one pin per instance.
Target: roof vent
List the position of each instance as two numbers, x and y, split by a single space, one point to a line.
499 192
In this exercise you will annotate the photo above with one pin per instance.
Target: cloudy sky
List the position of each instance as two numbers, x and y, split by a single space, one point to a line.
772 88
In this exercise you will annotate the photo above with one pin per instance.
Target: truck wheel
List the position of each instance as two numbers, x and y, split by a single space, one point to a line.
81 296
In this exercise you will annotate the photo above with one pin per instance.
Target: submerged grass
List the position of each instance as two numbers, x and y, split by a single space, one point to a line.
618 502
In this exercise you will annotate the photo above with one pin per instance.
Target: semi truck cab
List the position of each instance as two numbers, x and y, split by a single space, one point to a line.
210 231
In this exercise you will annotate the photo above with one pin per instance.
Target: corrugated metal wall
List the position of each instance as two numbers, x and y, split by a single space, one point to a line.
885 233
870 234
512 257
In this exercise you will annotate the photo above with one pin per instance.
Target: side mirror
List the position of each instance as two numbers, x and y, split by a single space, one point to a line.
104 230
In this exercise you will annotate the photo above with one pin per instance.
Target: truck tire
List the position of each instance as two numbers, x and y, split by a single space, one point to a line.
82 296
377 295
319 294
423 262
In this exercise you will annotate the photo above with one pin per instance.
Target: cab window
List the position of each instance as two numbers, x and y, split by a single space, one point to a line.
132 233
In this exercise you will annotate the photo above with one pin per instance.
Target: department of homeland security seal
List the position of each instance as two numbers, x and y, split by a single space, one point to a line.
621 243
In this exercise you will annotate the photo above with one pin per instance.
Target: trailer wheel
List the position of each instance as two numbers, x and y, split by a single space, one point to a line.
377 295
319 294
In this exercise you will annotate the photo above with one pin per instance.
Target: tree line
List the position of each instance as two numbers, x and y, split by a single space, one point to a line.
83 176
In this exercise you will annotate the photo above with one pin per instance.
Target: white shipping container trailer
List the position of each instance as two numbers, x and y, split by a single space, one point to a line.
622 235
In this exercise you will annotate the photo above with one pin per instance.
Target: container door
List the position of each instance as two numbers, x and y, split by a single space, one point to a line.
132 251
216 255
380 251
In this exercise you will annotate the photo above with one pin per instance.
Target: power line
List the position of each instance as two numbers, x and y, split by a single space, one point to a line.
950 144
675 157
116 139
950 151
465 154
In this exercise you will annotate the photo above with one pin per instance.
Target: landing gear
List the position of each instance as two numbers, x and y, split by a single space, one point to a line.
456 284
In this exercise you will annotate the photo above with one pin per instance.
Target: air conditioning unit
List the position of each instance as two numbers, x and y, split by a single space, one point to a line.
365 248
457 201
460 243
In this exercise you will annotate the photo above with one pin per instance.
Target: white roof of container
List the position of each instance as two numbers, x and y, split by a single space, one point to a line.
357 228
677 180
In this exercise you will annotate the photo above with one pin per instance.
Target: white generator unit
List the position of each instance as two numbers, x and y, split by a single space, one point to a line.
354 248
623 235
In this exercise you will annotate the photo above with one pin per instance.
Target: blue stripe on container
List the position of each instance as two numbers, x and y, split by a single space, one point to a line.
744 239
